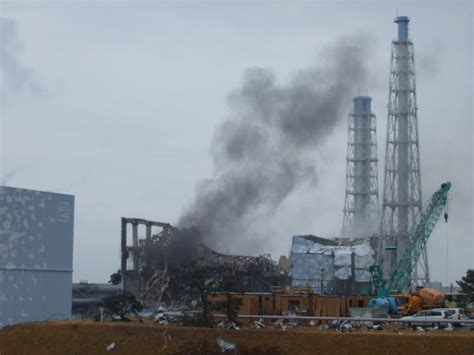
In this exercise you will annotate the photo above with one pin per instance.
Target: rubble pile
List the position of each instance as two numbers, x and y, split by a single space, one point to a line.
173 266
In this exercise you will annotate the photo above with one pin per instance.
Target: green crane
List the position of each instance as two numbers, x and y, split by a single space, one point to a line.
417 238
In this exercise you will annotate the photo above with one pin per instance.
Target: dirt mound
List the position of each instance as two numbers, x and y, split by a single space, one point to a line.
85 337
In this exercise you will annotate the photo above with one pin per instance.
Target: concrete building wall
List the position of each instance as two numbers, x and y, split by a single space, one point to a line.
36 249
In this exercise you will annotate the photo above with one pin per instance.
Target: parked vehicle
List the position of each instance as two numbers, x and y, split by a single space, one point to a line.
426 318
453 313
470 310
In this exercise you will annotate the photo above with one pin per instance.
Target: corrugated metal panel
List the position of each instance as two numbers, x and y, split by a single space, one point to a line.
309 258
36 246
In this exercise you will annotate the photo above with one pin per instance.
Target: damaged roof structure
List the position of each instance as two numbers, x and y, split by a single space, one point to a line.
160 267
337 266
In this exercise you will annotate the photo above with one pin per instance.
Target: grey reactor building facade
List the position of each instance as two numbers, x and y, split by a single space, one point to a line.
36 248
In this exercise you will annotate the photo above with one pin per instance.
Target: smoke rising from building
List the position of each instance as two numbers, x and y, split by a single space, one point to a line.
266 146
15 77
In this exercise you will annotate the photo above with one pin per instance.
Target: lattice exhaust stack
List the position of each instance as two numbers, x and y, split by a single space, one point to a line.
362 199
402 185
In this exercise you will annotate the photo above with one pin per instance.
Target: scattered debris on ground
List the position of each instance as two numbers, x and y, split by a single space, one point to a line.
110 347
89 337
225 346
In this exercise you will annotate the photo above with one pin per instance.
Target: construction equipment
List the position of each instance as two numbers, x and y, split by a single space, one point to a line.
401 278
419 299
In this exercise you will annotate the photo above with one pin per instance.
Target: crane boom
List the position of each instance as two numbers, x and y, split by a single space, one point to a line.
417 238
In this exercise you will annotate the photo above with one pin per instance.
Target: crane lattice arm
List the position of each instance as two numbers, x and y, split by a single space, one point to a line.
417 238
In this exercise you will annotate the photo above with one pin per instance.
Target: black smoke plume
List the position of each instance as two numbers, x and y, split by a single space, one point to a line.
266 146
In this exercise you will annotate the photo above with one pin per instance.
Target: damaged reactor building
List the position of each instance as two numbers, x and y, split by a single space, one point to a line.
161 266
333 266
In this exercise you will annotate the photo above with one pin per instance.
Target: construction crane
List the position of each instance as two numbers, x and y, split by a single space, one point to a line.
401 277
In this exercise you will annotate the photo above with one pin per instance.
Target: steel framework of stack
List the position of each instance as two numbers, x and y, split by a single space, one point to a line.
402 200
362 199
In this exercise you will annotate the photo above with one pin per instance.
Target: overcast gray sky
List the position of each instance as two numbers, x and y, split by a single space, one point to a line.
117 103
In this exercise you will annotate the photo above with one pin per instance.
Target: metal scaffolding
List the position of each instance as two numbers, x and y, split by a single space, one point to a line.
362 197
402 184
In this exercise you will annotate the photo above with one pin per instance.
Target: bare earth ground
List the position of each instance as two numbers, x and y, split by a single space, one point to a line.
87 337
